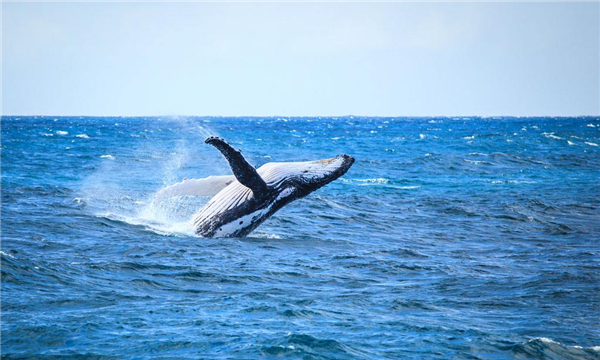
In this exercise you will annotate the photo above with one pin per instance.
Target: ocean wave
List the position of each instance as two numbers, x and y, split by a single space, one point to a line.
366 181
176 229
551 136
477 162
5 254
379 182
408 187
515 182
544 348
260 235
307 346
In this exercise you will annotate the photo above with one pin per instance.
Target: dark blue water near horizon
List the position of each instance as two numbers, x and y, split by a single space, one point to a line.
462 238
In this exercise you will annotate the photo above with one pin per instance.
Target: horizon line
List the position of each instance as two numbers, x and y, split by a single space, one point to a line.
311 116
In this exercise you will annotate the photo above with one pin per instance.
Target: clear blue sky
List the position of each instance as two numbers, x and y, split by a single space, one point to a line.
381 59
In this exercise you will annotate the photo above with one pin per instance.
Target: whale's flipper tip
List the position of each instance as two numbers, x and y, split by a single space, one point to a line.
213 140
244 172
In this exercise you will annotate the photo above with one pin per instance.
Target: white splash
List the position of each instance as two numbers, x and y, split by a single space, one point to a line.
112 192
551 136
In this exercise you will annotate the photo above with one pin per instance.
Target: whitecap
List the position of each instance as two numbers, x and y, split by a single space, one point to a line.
476 162
551 136
5 254
591 143
514 182
570 143
46 134
591 125
542 347
469 137
369 181
410 187
264 236
83 136
60 132
421 136
107 157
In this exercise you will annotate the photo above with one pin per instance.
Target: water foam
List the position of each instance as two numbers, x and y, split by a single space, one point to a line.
110 192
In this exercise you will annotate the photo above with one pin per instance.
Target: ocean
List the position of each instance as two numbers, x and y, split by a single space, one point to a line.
449 238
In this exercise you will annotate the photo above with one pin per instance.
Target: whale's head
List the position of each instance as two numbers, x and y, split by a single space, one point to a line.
306 176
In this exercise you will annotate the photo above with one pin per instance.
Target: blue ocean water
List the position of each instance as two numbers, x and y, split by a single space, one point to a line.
463 238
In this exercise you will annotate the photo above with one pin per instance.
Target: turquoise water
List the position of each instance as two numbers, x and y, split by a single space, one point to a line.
465 238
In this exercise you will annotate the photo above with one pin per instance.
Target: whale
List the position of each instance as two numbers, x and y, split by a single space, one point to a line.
247 198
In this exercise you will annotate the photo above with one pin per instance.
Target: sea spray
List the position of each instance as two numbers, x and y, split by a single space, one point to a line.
107 195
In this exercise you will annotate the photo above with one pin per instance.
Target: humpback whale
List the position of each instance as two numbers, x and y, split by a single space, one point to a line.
251 195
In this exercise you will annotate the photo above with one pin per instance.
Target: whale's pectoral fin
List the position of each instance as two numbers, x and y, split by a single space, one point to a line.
245 173
209 186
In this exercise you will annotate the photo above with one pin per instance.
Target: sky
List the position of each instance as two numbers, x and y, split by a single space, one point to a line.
301 59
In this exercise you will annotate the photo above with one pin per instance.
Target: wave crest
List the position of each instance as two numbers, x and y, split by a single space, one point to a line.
544 348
